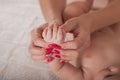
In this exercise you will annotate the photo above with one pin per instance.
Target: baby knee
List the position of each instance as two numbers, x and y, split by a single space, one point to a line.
72 10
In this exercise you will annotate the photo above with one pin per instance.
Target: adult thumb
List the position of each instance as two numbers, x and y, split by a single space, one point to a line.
70 25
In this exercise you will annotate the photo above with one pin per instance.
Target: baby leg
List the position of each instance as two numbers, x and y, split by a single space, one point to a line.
76 8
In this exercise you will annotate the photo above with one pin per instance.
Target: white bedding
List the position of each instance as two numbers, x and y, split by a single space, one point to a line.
17 18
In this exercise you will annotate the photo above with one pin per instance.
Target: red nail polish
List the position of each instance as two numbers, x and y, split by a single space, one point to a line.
49 59
62 61
48 50
50 45
52 49
58 56
56 52
54 46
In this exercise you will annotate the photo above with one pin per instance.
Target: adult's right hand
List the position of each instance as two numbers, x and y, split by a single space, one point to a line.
38 44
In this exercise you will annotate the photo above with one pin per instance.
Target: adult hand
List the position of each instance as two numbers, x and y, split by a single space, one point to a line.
80 27
38 44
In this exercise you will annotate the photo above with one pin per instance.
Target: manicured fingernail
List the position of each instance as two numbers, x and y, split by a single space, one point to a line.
58 56
49 59
54 46
53 49
56 52
48 50
62 61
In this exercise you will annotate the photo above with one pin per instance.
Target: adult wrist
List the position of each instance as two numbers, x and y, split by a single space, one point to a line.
54 20
88 21
92 22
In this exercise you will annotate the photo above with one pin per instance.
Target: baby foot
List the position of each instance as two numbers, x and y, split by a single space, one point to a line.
53 34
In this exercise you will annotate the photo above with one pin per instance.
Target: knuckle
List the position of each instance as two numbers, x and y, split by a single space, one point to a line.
34 51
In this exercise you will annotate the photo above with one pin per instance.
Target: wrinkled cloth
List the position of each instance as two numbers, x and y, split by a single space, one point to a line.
17 19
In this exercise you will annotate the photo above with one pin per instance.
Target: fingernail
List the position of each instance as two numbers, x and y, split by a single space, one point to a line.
48 50
54 46
58 56
56 52
62 61
49 59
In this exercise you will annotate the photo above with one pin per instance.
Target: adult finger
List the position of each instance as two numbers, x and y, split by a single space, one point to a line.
71 44
77 43
37 32
40 43
69 53
34 50
41 58
37 53
36 36
70 25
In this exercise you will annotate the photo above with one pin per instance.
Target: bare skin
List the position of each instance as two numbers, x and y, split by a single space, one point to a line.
59 10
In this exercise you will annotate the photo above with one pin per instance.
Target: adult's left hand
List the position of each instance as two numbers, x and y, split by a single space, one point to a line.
80 27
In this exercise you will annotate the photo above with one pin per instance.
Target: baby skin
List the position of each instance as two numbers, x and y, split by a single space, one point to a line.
101 61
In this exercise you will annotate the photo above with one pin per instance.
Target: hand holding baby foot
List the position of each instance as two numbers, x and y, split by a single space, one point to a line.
38 44
54 36
80 27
